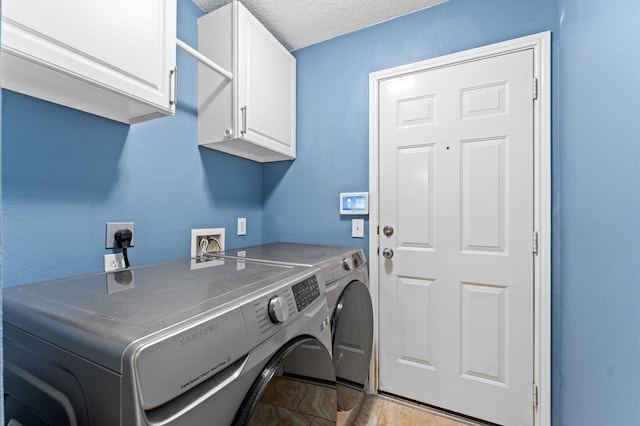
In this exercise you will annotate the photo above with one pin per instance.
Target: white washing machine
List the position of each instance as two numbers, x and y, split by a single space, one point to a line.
164 344
344 271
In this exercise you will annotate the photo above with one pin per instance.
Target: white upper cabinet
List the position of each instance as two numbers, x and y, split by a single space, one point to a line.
115 59
254 115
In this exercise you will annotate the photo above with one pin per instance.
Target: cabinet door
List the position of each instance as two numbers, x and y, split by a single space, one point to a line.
266 87
122 46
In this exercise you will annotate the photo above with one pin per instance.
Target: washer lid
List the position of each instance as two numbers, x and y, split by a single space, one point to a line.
98 316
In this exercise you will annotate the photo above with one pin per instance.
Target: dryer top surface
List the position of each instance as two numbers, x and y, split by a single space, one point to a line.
103 316
292 253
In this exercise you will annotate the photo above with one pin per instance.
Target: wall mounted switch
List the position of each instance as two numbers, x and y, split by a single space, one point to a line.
242 226
357 228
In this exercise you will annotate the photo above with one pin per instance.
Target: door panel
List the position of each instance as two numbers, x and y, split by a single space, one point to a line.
415 296
456 183
483 195
483 332
415 221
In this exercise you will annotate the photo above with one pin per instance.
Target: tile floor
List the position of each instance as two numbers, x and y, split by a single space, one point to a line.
288 401
385 411
291 402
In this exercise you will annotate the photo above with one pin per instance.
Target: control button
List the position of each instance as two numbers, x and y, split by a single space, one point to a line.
277 312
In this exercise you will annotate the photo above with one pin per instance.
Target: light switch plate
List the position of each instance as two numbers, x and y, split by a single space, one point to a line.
357 228
242 226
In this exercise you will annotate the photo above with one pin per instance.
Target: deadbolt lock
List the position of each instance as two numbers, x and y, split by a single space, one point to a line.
387 231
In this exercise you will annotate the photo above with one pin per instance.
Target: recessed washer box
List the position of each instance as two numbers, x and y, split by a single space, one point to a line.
213 240
354 203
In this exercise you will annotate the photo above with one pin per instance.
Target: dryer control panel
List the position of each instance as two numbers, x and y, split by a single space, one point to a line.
306 292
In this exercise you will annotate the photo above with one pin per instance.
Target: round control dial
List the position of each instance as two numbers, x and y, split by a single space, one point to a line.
277 310
347 264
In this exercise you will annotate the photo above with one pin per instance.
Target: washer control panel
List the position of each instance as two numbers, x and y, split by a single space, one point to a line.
270 312
306 292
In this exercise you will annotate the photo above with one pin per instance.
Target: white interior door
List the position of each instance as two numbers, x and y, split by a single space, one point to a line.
456 185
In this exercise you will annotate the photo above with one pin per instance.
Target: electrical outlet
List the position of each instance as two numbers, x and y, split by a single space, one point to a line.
112 228
113 262
242 226
209 239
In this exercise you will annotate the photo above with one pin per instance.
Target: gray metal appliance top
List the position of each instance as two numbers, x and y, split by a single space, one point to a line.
291 253
81 315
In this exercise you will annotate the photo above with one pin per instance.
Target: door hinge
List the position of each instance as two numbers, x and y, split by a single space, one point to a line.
535 397
535 88
535 242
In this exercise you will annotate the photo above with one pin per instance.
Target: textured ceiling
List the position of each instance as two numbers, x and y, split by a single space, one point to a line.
301 23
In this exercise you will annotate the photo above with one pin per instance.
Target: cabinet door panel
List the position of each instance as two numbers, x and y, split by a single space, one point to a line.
264 81
123 46
269 96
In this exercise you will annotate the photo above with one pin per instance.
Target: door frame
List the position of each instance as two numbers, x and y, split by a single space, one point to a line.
541 45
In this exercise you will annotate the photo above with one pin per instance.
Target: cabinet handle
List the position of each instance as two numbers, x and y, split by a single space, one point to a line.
173 87
244 120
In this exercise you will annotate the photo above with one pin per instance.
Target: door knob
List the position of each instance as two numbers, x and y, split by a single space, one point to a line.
387 231
387 253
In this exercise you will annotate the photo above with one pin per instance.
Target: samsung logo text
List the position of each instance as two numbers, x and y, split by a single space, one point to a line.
198 334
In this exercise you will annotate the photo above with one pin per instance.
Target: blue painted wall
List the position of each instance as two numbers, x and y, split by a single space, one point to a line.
301 198
595 169
65 173
596 320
